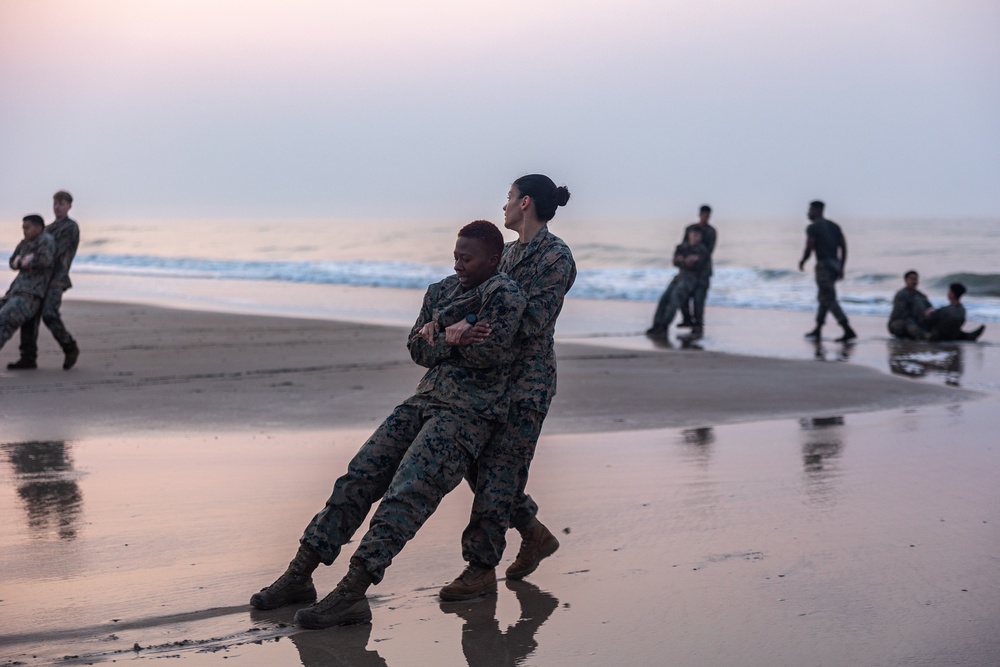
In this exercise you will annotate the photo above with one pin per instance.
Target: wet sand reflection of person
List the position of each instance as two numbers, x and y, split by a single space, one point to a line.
46 482
840 353
484 644
698 443
918 359
345 646
821 448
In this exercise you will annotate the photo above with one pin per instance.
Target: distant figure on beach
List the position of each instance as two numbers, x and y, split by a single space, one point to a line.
914 318
700 291
825 238
690 258
543 266
909 309
425 446
66 233
945 324
33 259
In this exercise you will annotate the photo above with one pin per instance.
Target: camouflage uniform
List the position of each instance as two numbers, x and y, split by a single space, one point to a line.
700 291
908 308
545 270
67 237
827 238
681 287
946 323
23 300
422 450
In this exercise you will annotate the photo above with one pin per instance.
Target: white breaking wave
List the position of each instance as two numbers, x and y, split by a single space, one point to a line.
735 287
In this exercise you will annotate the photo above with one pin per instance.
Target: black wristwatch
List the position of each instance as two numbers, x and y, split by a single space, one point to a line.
471 318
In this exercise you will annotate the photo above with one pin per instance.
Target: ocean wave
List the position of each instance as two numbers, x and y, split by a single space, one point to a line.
977 284
735 287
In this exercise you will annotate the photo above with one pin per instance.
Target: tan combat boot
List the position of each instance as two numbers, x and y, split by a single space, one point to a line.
536 543
346 605
295 585
472 583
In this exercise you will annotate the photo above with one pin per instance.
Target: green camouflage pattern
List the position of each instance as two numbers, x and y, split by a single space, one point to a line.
545 270
423 449
67 237
908 308
33 280
682 286
827 274
473 377
15 310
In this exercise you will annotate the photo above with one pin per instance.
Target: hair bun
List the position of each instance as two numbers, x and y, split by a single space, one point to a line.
562 195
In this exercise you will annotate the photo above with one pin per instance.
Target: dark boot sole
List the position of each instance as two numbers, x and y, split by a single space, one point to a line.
521 574
459 597
263 605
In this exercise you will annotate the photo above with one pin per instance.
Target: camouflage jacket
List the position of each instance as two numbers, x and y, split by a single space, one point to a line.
952 315
67 236
473 377
909 306
34 280
708 238
685 249
545 270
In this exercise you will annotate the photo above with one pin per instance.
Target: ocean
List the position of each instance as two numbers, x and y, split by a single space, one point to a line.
756 261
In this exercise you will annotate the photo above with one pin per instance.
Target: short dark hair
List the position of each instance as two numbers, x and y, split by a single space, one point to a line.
35 219
958 289
485 232
909 273
544 194
63 195
705 208
817 204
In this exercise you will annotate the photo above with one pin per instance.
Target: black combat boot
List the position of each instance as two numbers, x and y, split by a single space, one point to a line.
815 334
536 543
295 585
972 335
848 334
22 364
72 353
346 605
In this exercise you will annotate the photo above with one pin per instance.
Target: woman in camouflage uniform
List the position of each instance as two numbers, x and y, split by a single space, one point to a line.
542 264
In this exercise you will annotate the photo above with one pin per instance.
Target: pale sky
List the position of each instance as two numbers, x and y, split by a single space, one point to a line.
644 108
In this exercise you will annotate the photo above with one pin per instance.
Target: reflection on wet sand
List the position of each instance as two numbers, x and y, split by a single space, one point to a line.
839 352
46 482
917 359
345 646
821 450
483 643
698 443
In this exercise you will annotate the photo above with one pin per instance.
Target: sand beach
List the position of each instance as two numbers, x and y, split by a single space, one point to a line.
713 507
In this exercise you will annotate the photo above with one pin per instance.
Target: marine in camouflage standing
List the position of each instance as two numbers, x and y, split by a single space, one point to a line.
543 266
909 309
423 449
66 233
827 240
690 258
700 292
32 259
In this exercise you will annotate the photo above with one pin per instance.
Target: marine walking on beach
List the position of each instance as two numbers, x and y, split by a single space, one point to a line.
425 446
825 238
690 258
542 264
66 234
33 259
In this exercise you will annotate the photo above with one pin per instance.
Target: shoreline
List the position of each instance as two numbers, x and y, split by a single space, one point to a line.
146 368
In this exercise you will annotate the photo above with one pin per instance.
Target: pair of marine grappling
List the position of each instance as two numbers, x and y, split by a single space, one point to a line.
485 335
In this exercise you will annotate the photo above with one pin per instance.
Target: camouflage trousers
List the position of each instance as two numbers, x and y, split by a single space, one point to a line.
15 310
49 313
826 294
498 479
697 299
413 460
907 329
678 292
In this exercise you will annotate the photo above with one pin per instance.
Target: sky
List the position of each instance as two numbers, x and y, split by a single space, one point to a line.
190 109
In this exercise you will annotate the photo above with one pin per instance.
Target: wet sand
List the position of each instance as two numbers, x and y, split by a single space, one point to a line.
713 508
